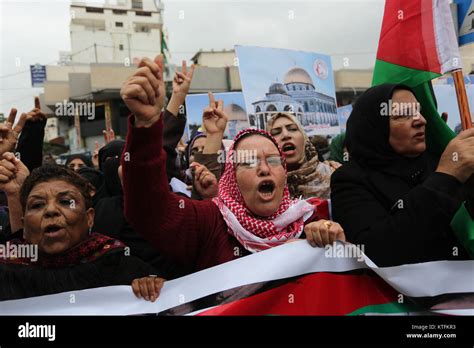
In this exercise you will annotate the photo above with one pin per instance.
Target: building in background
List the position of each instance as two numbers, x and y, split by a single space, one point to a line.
106 43
118 32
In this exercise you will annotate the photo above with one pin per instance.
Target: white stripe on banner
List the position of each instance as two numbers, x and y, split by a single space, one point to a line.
288 260
445 36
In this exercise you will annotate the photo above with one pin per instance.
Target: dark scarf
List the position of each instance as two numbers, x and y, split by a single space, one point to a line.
95 177
367 139
109 162
95 246
87 161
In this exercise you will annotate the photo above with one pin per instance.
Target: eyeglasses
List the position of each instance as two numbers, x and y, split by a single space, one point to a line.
272 161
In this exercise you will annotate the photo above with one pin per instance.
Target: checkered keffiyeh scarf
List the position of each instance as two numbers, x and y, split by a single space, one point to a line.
253 232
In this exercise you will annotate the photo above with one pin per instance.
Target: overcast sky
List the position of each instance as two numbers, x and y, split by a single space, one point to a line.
34 31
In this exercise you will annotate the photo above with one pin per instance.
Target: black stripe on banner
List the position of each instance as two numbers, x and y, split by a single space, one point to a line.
241 292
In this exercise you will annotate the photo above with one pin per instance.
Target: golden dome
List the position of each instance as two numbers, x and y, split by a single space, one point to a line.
297 75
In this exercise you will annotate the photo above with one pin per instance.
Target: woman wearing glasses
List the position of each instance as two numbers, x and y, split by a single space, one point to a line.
393 196
252 212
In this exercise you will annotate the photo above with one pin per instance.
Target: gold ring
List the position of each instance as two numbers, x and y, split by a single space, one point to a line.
327 224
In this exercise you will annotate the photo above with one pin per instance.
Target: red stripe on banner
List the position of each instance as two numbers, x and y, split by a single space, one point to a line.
408 35
314 294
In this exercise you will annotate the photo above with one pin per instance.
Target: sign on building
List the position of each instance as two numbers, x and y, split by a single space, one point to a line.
38 75
465 21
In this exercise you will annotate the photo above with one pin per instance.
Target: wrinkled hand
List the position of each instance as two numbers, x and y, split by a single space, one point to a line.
148 288
8 133
214 119
13 173
144 91
182 80
323 232
205 182
458 157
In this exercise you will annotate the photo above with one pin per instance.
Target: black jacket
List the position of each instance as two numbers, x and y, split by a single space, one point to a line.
113 268
397 221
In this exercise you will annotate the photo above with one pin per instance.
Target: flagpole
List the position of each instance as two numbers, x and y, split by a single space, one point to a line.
463 104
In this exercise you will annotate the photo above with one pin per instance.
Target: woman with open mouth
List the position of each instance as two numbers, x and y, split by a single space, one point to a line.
252 212
64 254
307 175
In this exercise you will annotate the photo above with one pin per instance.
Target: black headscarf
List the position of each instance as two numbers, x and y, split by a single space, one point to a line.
109 162
112 149
367 138
95 177
87 161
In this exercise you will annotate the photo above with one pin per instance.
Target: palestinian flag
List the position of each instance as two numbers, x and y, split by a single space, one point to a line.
417 44
352 293
291 279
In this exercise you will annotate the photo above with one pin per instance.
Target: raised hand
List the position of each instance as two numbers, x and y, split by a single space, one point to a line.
13 174
144 91
182 80
8 133
213 118
205 183
36 114
95 156
108 136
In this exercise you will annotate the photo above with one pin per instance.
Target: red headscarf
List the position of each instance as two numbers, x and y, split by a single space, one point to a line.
257 233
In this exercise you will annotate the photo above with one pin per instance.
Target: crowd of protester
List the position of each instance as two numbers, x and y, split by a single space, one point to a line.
114 218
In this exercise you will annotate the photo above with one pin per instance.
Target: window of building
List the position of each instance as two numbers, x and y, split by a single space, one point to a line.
271 107
142 28
143 13
121 47
137 4
94 10
119 24
119 12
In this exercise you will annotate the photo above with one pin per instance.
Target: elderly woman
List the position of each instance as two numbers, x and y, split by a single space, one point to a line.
393 197
307 175
253 210
57 221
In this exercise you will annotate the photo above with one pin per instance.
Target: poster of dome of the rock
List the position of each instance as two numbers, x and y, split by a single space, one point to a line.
281 80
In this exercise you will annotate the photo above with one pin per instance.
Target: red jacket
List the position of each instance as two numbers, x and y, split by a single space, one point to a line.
189 232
